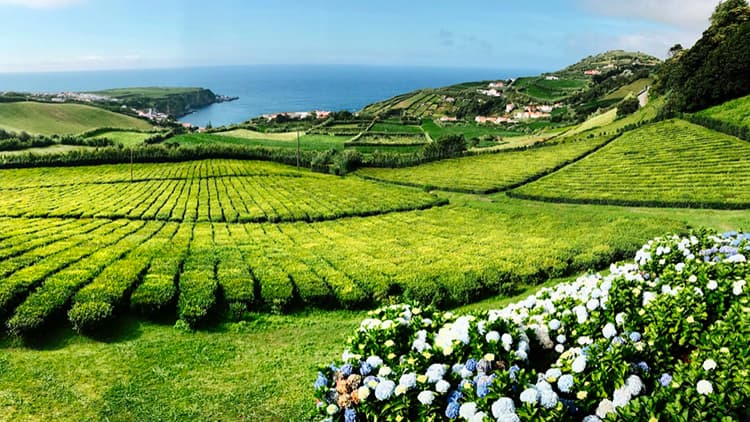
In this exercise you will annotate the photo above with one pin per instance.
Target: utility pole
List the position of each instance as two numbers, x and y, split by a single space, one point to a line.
298 148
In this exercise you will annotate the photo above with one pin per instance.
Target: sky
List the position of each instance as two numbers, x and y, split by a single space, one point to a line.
63 35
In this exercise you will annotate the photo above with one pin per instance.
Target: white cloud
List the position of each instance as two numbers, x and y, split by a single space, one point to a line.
685 14
40 4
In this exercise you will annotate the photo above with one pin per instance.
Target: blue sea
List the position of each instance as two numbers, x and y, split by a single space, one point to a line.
266 88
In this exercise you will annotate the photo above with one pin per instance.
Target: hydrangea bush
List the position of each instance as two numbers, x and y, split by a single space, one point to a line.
665 338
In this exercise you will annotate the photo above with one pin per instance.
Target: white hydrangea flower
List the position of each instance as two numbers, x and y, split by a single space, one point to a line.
605 407
709 365
467 410
609 331
579 364
529 395
426 397
704 387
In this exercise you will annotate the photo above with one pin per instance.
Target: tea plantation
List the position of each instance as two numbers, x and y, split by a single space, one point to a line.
211 289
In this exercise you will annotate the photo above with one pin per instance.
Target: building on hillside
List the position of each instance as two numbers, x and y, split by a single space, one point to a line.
448 119
592 72
491 92
551 78
498 84
510 107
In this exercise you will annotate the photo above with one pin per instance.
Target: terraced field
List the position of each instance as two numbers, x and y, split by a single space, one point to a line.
487 172
202 192
672 163
94 269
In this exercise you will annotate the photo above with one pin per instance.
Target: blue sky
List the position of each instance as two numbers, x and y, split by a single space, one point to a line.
44 35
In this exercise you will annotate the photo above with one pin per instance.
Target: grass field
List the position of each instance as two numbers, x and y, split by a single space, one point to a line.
469 130
126 138
542 89
52 149
633 88
146 370
307 142
603 119
736 112
395 128
251 134
486 172
150 92
669 163
50 119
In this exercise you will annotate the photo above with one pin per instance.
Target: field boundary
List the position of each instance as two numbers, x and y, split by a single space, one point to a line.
632 203
504 188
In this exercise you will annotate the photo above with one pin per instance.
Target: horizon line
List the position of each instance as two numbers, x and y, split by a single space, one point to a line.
23 72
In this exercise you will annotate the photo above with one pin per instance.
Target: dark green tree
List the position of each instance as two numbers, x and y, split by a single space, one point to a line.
628 106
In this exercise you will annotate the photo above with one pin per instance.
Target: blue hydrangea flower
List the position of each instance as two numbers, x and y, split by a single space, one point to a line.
350 415
513 371
471 365
346 370
365 369
454 396
451 412
643 366
321 381
665 380
635 336
483 386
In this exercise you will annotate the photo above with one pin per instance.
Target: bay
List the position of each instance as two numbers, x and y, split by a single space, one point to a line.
266 88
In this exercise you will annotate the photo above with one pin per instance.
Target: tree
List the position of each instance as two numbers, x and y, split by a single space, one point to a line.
677 48
628 106
730 12
717 68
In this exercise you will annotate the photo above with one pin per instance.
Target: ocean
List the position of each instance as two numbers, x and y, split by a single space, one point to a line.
266 88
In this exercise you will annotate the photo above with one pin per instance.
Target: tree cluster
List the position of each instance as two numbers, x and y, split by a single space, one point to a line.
717 68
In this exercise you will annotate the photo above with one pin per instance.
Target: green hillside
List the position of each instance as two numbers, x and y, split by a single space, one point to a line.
174 101
672 163
735 112
487 172
581 89
50 119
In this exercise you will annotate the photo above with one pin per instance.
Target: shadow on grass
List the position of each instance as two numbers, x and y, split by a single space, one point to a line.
59 334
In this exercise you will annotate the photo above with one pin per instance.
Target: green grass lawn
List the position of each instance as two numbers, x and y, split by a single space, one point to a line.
50 119
261 369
